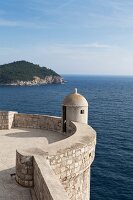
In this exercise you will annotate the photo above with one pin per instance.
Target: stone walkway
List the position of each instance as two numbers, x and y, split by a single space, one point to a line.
13 139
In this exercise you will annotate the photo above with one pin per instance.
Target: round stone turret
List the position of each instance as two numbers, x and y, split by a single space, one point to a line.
75 108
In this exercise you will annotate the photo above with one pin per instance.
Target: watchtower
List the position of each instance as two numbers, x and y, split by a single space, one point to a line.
75 108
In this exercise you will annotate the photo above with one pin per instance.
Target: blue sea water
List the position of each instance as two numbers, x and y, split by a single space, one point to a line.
110 114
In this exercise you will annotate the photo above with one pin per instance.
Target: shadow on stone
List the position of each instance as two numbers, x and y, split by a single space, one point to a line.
10 189
50 136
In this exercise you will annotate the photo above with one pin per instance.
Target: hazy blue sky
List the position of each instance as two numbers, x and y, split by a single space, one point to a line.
70 36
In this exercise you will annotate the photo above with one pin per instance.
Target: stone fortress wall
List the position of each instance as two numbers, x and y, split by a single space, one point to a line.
51 123
68 166
62 172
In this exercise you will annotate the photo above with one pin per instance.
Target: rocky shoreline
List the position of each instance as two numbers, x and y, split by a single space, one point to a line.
38 81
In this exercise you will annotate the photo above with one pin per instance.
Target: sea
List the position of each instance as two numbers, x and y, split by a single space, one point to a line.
110 114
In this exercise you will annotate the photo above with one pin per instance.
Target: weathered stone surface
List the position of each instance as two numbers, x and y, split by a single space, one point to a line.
70 158
46 184
38 121
24 176
6 119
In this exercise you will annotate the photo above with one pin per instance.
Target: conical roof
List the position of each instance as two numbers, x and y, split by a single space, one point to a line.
75 99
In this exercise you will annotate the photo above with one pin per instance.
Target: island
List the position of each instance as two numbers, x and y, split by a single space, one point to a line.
23 73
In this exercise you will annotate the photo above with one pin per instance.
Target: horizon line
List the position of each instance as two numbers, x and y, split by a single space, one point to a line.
97 75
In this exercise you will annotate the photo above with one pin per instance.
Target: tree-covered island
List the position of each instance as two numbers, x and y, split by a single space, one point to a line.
26 73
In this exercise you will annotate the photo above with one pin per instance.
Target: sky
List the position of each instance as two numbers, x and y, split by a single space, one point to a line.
70 36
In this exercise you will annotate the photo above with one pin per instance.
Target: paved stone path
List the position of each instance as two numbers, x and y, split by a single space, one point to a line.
13 139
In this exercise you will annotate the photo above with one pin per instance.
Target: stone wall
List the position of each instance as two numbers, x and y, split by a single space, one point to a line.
70 161
71 129
73 170
36 172
24 170
46 184
38 121
67 165
50 123
9 119
6 119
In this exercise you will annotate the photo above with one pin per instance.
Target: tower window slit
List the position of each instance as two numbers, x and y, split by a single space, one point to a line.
81 111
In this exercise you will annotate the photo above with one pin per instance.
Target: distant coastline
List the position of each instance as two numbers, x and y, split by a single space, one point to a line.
23 73
37 81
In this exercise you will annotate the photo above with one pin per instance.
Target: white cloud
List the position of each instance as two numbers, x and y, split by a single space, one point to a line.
16 23
74 60
84 46
67 14
112 13
95 45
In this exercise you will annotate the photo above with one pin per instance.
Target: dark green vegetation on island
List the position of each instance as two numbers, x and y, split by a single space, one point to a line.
23 71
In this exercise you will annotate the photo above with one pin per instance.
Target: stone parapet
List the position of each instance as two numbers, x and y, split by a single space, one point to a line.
24 169
36 172
69 160
38 121
6 119
46 184
72 164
